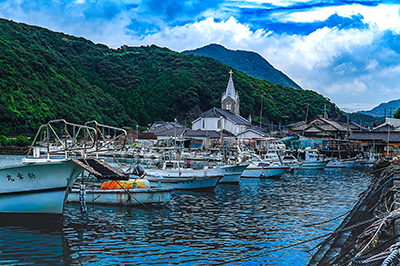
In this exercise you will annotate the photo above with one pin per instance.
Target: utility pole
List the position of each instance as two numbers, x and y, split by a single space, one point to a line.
390 113
261 108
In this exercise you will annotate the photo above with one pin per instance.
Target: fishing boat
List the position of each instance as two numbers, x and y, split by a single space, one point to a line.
231 172
185 183
260 169
39 185
264 170
344 163
36 186
178 175
310 159
127 193
43 180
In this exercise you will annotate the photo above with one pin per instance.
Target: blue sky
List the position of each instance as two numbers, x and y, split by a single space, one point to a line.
348 51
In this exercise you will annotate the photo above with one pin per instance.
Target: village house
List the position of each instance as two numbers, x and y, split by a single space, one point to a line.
383 139
319 127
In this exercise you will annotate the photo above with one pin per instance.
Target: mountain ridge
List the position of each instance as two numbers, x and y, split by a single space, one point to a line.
384 109
49 75
248 62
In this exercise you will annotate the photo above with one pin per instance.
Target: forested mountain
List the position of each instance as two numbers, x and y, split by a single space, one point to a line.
247 62
384 109
47 75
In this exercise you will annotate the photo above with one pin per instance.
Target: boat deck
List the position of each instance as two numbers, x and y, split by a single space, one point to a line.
100 169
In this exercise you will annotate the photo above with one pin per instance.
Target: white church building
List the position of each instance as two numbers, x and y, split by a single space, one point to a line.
225 118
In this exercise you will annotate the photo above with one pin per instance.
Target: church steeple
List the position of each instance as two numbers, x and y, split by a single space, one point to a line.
230 99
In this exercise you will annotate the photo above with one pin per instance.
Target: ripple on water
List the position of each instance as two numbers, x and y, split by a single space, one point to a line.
245 224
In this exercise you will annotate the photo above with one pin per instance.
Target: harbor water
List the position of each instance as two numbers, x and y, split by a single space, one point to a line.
255 222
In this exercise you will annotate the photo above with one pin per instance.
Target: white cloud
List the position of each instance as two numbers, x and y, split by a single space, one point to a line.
353 88
230 33
384 16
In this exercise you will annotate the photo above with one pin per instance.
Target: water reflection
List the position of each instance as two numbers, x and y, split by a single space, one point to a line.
245 224
25 241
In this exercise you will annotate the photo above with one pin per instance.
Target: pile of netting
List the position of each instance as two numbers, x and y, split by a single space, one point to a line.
375 226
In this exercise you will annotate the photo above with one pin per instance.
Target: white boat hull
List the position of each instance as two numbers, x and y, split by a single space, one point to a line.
121 197
232 172
264 172
36 187
317 165
191 183
343 164
183 172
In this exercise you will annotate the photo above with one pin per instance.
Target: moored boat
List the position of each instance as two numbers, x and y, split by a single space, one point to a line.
42 182
178 175
184 183
264 170
310 159
122 193
344 163
231 172
258 168
39 185
316 165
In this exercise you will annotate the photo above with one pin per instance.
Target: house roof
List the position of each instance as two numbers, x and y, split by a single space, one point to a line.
320 123
171 132
218 112
203 133
376 136
383 128
159 127
256 130
353 126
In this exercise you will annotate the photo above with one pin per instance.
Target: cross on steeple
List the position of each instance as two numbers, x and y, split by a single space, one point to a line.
230 99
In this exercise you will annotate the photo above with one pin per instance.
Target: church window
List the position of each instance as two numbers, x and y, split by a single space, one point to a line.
229 106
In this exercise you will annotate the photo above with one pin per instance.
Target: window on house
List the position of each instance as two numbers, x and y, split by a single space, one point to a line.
204 124
219 123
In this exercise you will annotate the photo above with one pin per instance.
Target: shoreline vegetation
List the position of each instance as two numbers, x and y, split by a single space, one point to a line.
47 75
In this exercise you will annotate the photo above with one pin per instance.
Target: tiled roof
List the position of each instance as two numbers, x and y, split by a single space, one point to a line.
218 112
377 136
203 133
383 128
171 132
257 130
163 126
320 123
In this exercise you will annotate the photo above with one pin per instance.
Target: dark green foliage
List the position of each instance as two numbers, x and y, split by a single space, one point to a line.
397 113
46 75
21 141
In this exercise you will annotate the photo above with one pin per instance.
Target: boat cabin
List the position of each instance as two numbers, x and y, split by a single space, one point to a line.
176 165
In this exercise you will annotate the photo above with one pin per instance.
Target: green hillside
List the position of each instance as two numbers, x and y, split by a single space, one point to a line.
46 75
247 62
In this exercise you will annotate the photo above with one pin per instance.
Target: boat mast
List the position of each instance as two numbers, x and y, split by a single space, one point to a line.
222 138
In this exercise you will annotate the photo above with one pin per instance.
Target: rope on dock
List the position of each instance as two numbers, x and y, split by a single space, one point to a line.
327 221
394 255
